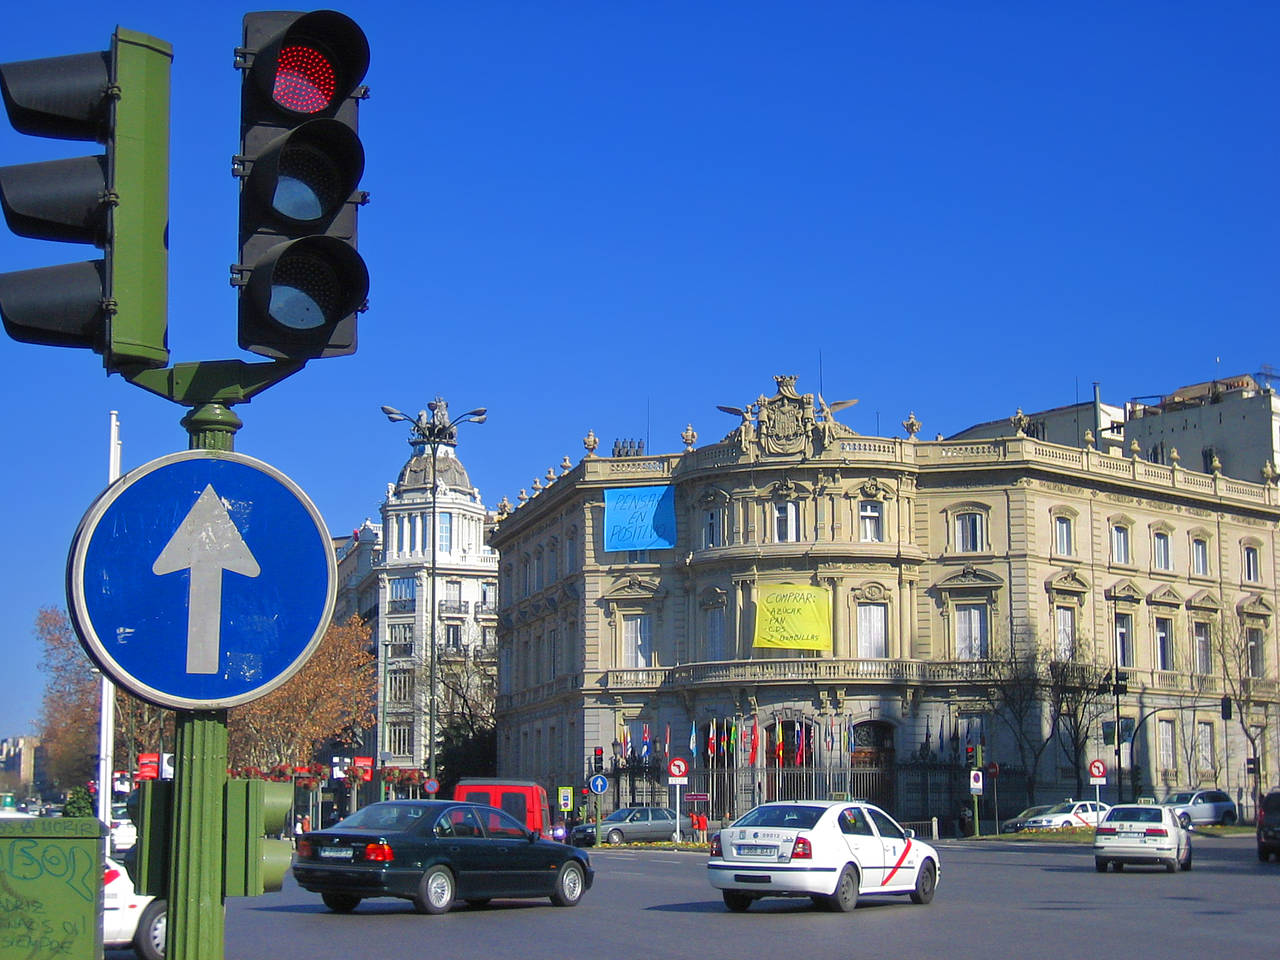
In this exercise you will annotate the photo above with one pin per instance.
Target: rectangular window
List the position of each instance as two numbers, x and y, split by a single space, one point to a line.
1204 647
873 631
400 738
539 571
1124 639
453 593
871 521
786 522
1120 545
971 631
553 649
399 640
969 533
403 588
1252 568
1065 641
1062 536
453 635
636 641
715 633
445 533
1164 643
1204 747
711 529
399 686
637 556
1164 737
1253 647
1200 557
1161 555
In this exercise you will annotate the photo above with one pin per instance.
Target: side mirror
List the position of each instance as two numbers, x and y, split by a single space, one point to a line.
909 832
532 836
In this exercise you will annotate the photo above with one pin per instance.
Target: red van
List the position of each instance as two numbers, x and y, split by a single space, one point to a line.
523 799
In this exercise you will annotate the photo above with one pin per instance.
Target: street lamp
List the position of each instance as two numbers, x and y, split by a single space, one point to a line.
431 431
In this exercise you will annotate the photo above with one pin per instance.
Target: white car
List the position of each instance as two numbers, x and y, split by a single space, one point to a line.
123 832
830 851
1069 813
130 919
1141 833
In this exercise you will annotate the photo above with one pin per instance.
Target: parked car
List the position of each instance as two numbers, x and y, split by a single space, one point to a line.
1202 806
1141 833
525 800
630 824
1269 827
130 919
124 833
433 852
1069 813
830 851
1016 823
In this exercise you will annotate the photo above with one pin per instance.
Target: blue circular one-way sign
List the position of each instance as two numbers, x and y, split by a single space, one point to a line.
599 784
201 580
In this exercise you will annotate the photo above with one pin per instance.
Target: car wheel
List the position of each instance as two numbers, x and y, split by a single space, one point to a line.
846 896
1185 820
1100 864
615 836
737 902
148 939
1171 865
1064 824
1264 854
1229 818
435 891
570 885
340 902
926 883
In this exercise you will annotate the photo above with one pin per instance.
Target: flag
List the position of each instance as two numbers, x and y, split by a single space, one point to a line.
800 744
941 737
732 745
666 747
693 737
831 735
724 734
626 741
755 738
711 738
644 741
777 749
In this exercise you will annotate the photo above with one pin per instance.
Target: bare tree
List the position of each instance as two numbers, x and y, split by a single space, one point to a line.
1014 690
1238 646
1076 691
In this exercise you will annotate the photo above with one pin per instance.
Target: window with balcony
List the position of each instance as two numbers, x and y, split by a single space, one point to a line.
1124 639
637 641
712 528
1252 565
553 650
1200 557
399 640
1164 643
786 522
400 738
1203 647
1254 651
873 630
971 631
871 521
445 533
1204 747
1063 544
1065 632
970 532
1120 545
399 686
453 636
1161 551
401 592
715 634
1164 742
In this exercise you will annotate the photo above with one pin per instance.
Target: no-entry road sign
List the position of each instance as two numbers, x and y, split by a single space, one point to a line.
201 580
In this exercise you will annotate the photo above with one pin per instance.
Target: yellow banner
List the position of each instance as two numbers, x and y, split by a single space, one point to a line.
793 617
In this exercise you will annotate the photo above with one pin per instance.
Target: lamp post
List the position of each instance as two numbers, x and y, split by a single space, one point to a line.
432 431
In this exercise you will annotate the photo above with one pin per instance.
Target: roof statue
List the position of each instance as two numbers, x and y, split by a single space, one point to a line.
788 423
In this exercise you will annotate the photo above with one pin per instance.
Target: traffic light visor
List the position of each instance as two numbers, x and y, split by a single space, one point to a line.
313 65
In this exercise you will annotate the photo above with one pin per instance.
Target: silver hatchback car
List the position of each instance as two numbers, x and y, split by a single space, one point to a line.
1202 806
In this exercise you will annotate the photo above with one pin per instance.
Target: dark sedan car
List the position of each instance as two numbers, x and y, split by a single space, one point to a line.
630 824
433 852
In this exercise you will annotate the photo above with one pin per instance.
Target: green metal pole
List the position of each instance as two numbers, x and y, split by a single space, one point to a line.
977 819
197 917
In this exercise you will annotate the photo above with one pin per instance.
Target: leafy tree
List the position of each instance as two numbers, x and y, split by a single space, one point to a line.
79 803
69 707
330 698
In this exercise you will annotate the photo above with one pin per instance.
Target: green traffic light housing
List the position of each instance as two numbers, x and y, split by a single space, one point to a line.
117 306
255 858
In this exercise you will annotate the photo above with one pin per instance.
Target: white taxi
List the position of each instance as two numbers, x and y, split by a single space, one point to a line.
830 851
1068 813
129 918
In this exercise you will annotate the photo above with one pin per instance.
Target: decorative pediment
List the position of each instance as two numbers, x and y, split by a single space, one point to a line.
971 578
872 592
1067 581
1165 595
1125 591
711 497
787 489
1204 600
569 592
875 489
1255 605
713 597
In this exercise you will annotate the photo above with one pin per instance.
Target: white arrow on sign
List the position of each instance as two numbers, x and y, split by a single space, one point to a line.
206 543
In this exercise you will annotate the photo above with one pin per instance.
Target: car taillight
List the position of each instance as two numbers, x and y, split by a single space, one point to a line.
1106 831
304 848
716 851
1157 832
379 852
802 849
109 876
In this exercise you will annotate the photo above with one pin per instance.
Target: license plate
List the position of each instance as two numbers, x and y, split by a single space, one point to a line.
335 853
1131 836
755 850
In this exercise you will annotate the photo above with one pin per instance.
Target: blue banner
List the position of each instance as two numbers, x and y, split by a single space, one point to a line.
640 518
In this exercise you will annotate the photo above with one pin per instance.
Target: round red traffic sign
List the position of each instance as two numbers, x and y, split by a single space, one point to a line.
678 767
993 769
1097 768
432 785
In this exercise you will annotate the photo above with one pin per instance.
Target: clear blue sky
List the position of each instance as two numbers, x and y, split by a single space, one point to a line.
618 215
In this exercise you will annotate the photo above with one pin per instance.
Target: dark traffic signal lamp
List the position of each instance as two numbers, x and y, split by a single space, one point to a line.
302 281
1251 766
597 760
119 201
1226 708
255 858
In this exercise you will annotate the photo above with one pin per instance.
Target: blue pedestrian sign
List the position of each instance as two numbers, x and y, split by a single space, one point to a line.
201 580
598 784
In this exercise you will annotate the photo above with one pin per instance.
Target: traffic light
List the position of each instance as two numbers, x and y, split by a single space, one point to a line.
586 798
597 760
1226 708
255 859
1251 766
301 280
119 201
968 755
151 810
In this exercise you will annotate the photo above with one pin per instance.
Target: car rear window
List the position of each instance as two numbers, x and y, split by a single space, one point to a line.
1135 815
795 817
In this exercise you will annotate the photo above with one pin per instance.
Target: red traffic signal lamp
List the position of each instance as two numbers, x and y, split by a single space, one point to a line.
119 201
968 754
302 281
597 760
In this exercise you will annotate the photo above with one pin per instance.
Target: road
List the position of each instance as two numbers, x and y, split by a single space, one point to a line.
995 899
